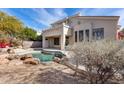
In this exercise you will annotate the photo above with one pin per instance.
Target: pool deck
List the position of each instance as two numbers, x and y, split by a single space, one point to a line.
30 50
57 50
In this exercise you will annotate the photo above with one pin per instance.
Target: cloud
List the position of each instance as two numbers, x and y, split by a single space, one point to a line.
46 18
105 12
38 18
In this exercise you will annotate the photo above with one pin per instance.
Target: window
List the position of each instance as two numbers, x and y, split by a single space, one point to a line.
98 33
87 34
81 35
56 41
75 36
67 41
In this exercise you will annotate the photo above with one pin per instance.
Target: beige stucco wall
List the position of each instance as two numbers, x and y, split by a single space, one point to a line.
61 31
53 32
109 25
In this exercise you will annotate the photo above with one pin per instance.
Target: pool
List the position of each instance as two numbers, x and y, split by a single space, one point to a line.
47 56
43 57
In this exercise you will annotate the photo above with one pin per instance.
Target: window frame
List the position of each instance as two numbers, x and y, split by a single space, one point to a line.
98 33
87 34
81 33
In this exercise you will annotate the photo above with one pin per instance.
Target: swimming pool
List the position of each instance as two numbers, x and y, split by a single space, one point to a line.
48 56
43 57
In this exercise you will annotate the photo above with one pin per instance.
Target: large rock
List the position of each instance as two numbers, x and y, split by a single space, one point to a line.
10 51
118 76
12 57
56 59
31 61
26 56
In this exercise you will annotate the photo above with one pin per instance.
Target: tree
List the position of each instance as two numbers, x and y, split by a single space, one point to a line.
10 24
39 38
28 34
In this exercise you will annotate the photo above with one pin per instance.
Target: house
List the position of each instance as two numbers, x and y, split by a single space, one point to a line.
79 28
120 33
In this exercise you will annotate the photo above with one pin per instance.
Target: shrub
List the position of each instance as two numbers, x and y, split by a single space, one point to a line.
15 42
101 59
4 40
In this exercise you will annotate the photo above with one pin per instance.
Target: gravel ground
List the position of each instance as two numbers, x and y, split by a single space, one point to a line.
53 73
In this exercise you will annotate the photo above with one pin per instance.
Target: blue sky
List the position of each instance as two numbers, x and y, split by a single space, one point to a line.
41 18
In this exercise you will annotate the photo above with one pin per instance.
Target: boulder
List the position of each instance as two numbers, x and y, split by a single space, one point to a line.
10 51
118 76
12 57
26 56
56 59
30 61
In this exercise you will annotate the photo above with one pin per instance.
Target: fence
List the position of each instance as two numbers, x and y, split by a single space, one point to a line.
32 44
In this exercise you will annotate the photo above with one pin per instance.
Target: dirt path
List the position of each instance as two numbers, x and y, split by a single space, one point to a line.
34 74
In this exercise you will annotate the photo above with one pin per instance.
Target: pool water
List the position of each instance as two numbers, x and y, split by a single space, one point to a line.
43 57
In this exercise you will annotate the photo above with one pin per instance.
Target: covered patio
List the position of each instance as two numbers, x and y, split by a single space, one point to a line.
56 38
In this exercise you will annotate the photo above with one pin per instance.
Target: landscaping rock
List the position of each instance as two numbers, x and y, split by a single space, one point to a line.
11 51
56 59
118 76
31 61
26 56
12 57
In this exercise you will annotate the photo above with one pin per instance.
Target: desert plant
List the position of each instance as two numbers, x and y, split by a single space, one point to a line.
101 59
4 40
15 42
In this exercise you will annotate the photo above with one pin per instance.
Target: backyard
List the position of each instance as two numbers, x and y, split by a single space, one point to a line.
39 74
95 62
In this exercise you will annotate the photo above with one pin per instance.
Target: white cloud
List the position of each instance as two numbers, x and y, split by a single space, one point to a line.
106 12
59 12
47 18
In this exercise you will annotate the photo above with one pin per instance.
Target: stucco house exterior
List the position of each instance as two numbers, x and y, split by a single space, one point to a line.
79 28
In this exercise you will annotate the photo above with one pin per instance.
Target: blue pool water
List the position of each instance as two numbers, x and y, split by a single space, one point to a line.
43 57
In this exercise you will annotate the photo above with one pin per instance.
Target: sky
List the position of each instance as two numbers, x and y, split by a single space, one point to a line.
41 18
